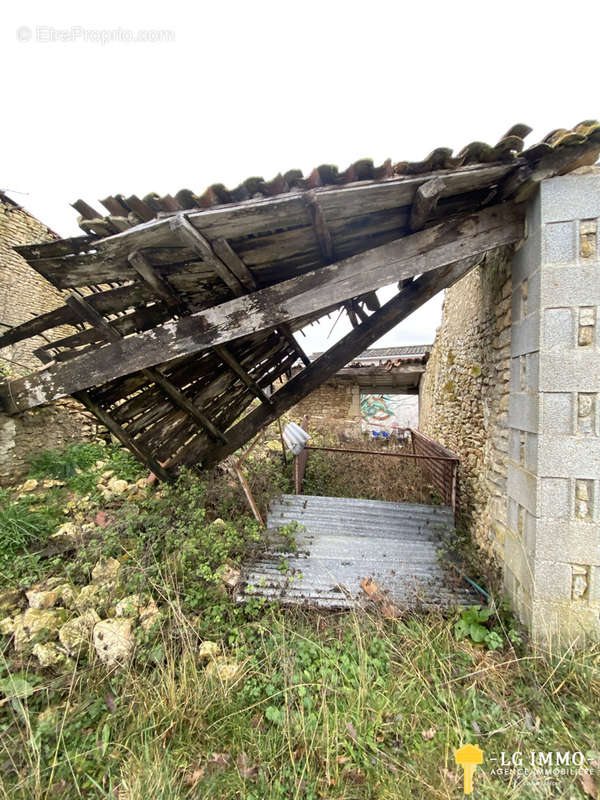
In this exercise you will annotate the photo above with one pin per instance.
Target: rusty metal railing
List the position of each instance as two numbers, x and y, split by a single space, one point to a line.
438 464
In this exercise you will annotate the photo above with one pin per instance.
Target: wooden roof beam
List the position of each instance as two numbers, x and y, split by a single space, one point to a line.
296 298
426 199
230 258
152 279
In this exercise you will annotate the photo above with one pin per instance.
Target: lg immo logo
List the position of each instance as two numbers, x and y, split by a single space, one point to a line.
469 757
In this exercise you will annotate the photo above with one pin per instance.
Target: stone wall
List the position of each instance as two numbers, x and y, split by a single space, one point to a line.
23 293
334 400
45 428
464 395
513 386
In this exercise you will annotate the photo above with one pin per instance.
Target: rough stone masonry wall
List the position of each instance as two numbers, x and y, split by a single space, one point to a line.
464 395
23 292
332 401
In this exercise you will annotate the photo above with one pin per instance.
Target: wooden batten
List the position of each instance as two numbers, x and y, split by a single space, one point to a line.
241 373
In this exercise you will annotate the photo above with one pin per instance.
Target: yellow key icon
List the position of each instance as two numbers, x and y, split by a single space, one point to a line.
469 756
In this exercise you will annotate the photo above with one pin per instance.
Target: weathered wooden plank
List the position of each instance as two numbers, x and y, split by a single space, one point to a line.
426 198
152 278
320 228
378 372
426 250
35 326
306 381
241 373
56 248
230 258
144 455
180 226
285 211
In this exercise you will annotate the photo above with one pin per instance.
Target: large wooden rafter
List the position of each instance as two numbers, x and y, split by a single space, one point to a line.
269 308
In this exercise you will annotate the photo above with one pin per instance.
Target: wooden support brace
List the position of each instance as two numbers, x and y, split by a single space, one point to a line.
194 240
289 336
302 384
227 358
140 452
321 229
152 279
230 258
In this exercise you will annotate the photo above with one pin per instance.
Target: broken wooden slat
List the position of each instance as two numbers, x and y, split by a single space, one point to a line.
421 252
231 362
35 326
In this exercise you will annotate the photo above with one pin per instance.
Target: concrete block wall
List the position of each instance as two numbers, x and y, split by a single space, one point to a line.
552 546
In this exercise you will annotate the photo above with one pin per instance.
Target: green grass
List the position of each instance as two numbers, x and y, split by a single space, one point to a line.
335 706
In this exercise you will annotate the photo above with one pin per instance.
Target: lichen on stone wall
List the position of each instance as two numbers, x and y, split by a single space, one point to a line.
464 395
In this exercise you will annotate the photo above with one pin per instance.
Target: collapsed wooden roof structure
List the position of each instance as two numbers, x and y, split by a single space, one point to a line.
183 310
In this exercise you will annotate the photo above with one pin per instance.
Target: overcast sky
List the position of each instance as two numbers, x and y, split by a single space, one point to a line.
254 88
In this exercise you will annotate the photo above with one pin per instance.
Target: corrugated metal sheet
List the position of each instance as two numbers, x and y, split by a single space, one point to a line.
341 541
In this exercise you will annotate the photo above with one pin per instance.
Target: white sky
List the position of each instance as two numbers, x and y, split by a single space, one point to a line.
253 88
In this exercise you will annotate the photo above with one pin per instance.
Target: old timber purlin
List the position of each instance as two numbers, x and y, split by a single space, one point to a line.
184 310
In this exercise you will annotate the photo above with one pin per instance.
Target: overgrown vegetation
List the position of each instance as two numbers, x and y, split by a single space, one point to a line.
372 477
228 700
